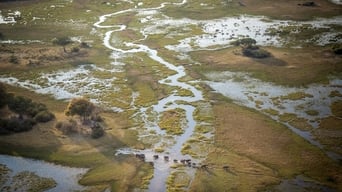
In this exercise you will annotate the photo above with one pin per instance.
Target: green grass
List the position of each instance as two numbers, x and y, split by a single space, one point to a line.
172 121
296 96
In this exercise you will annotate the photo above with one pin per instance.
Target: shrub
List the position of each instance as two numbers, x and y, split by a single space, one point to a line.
97 131
19 104
27 124
255 52
75 49
35 108
19 125
3 127
97 118
245 42
84 45
44 116
62 41
67 127
14 59
4 96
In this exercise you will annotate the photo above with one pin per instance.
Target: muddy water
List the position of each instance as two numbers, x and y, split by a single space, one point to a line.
65 177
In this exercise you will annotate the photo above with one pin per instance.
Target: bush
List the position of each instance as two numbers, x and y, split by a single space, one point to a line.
75 49
14 59
84 45
4 96
245 42
97 131
67 127
97 118
255 52
3 127
35 108
44 116
16 125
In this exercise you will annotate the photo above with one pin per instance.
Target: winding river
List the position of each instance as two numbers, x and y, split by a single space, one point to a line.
173 152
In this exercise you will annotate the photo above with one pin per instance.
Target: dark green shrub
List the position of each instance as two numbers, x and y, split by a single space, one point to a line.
75 49
27 124
44 116
97 131
4 96
62 41
14 59
255 53
3 127
244 42
97 118
84 45
19 125
19 104
35 108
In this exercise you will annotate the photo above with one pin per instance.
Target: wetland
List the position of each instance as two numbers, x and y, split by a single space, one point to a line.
181 106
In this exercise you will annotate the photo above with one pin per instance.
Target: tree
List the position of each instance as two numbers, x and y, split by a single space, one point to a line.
245 42
62 41
80 106
3 95
19 105
250 49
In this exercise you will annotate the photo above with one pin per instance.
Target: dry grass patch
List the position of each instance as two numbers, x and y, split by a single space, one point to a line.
329 134
16 56
290 9
303 66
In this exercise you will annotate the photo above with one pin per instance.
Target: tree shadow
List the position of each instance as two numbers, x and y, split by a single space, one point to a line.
271 61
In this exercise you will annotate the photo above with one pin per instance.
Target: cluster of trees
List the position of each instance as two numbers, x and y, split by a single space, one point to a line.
28 113
64 41
87 112
250 49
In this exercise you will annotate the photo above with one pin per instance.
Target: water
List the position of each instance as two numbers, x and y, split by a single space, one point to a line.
250 92
65 177
161 167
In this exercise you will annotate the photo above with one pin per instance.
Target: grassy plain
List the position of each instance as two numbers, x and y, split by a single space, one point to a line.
287 66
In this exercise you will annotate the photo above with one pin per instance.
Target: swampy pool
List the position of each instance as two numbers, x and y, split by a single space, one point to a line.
167 71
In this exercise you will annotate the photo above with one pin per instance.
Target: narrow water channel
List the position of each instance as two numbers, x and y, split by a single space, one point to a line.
173 152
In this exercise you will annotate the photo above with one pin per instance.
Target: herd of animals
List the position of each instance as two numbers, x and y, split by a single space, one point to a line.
186 162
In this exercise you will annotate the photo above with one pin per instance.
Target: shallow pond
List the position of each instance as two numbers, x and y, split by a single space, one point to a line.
65 177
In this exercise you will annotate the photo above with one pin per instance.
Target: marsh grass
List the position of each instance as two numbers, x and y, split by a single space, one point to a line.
296 96
336 109
243 140
172 121
178 181
29 181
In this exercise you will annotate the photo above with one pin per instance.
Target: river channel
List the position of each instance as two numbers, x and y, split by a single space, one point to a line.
173 152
